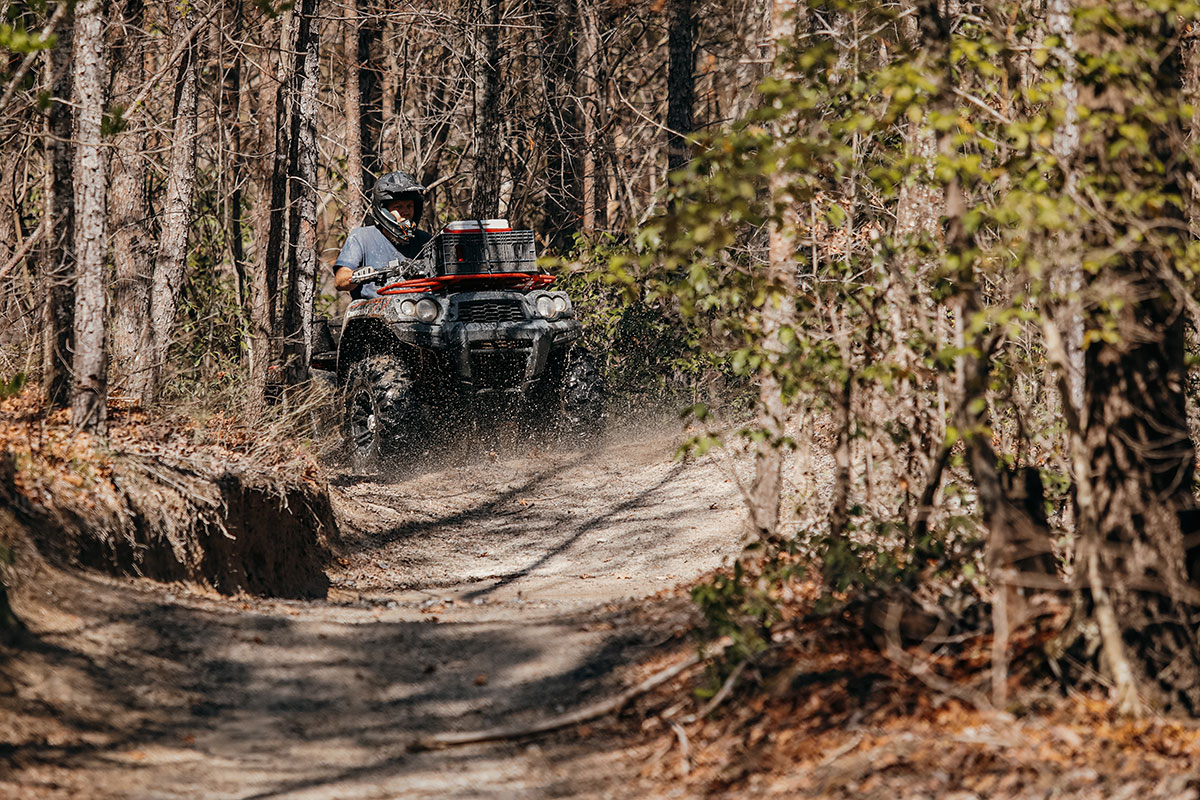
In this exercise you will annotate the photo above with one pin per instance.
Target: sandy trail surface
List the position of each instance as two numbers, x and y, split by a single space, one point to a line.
501 586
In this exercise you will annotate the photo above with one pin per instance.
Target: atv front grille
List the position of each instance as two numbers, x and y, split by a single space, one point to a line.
491 311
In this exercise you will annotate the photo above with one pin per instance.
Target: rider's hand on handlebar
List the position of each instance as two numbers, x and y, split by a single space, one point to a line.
343 279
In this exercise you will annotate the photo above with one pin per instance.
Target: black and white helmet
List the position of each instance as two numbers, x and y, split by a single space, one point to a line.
393 186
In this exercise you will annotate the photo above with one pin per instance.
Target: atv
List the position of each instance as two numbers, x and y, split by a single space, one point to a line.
471 323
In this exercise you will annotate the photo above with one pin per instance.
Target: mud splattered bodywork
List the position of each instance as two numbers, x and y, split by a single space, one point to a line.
483 341
471 317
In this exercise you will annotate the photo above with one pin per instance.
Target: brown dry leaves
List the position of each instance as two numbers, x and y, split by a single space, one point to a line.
830 717
54 461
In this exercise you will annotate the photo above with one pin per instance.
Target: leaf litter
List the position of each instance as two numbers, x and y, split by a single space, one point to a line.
824 713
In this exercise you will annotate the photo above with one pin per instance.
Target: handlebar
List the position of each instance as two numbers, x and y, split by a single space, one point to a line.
397 268
367 275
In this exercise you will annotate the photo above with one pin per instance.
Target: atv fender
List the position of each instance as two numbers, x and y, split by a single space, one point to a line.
361 339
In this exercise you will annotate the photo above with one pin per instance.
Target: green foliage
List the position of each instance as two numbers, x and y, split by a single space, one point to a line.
745 604
21 35
651 353
113 122
274 8
10 387
846 135
16 39
206 356
887 553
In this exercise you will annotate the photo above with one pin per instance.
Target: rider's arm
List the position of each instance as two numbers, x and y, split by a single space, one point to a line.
348 260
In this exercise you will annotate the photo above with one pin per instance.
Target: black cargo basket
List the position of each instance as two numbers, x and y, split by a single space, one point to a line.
481 252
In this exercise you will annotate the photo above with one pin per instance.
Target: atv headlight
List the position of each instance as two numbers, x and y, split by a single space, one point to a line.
560 304
545 306
427 309
408 308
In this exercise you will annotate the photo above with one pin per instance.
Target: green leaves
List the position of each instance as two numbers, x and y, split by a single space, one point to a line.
113 121
12 386
933 203
744 603
17 39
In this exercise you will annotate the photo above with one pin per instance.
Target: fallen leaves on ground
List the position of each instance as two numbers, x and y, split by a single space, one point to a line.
53 459
827 715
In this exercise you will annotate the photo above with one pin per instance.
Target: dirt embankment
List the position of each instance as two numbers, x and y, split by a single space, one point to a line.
135 507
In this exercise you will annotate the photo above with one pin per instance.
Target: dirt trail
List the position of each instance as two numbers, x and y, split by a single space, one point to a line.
490 592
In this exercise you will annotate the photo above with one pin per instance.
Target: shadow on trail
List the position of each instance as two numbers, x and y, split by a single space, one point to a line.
288 703
491 508
641 500
395 762
519 534
318 700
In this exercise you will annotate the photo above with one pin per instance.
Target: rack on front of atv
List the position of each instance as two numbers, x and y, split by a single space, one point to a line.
467 254
519 281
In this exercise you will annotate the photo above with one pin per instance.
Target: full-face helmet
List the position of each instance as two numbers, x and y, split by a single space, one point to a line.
391 187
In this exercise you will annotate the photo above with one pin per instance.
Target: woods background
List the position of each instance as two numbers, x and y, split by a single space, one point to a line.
237 141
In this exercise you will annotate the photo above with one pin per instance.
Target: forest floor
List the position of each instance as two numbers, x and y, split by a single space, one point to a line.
505 586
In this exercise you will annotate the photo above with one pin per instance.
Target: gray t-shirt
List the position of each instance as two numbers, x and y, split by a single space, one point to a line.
368 247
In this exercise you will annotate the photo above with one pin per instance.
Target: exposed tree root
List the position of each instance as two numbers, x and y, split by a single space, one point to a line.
585 714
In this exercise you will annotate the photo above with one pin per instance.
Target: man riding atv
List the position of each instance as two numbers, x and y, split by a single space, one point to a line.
446 326
397 202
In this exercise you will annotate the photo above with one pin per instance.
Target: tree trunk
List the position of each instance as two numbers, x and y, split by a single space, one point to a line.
919 204
171 260
487 155
10 209
778 313
1067 281
1142 457
560 125
270 223
303 270
1141 460
370 89
442 108
58 258
1191 84
681 81
230 116
1134 542
89 394
356 206
589 90
130 344
391 92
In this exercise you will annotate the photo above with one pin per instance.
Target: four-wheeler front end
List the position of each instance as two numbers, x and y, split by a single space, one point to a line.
471 317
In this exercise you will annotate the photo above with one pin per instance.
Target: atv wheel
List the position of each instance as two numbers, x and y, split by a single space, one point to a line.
571 396
582 393
380 411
